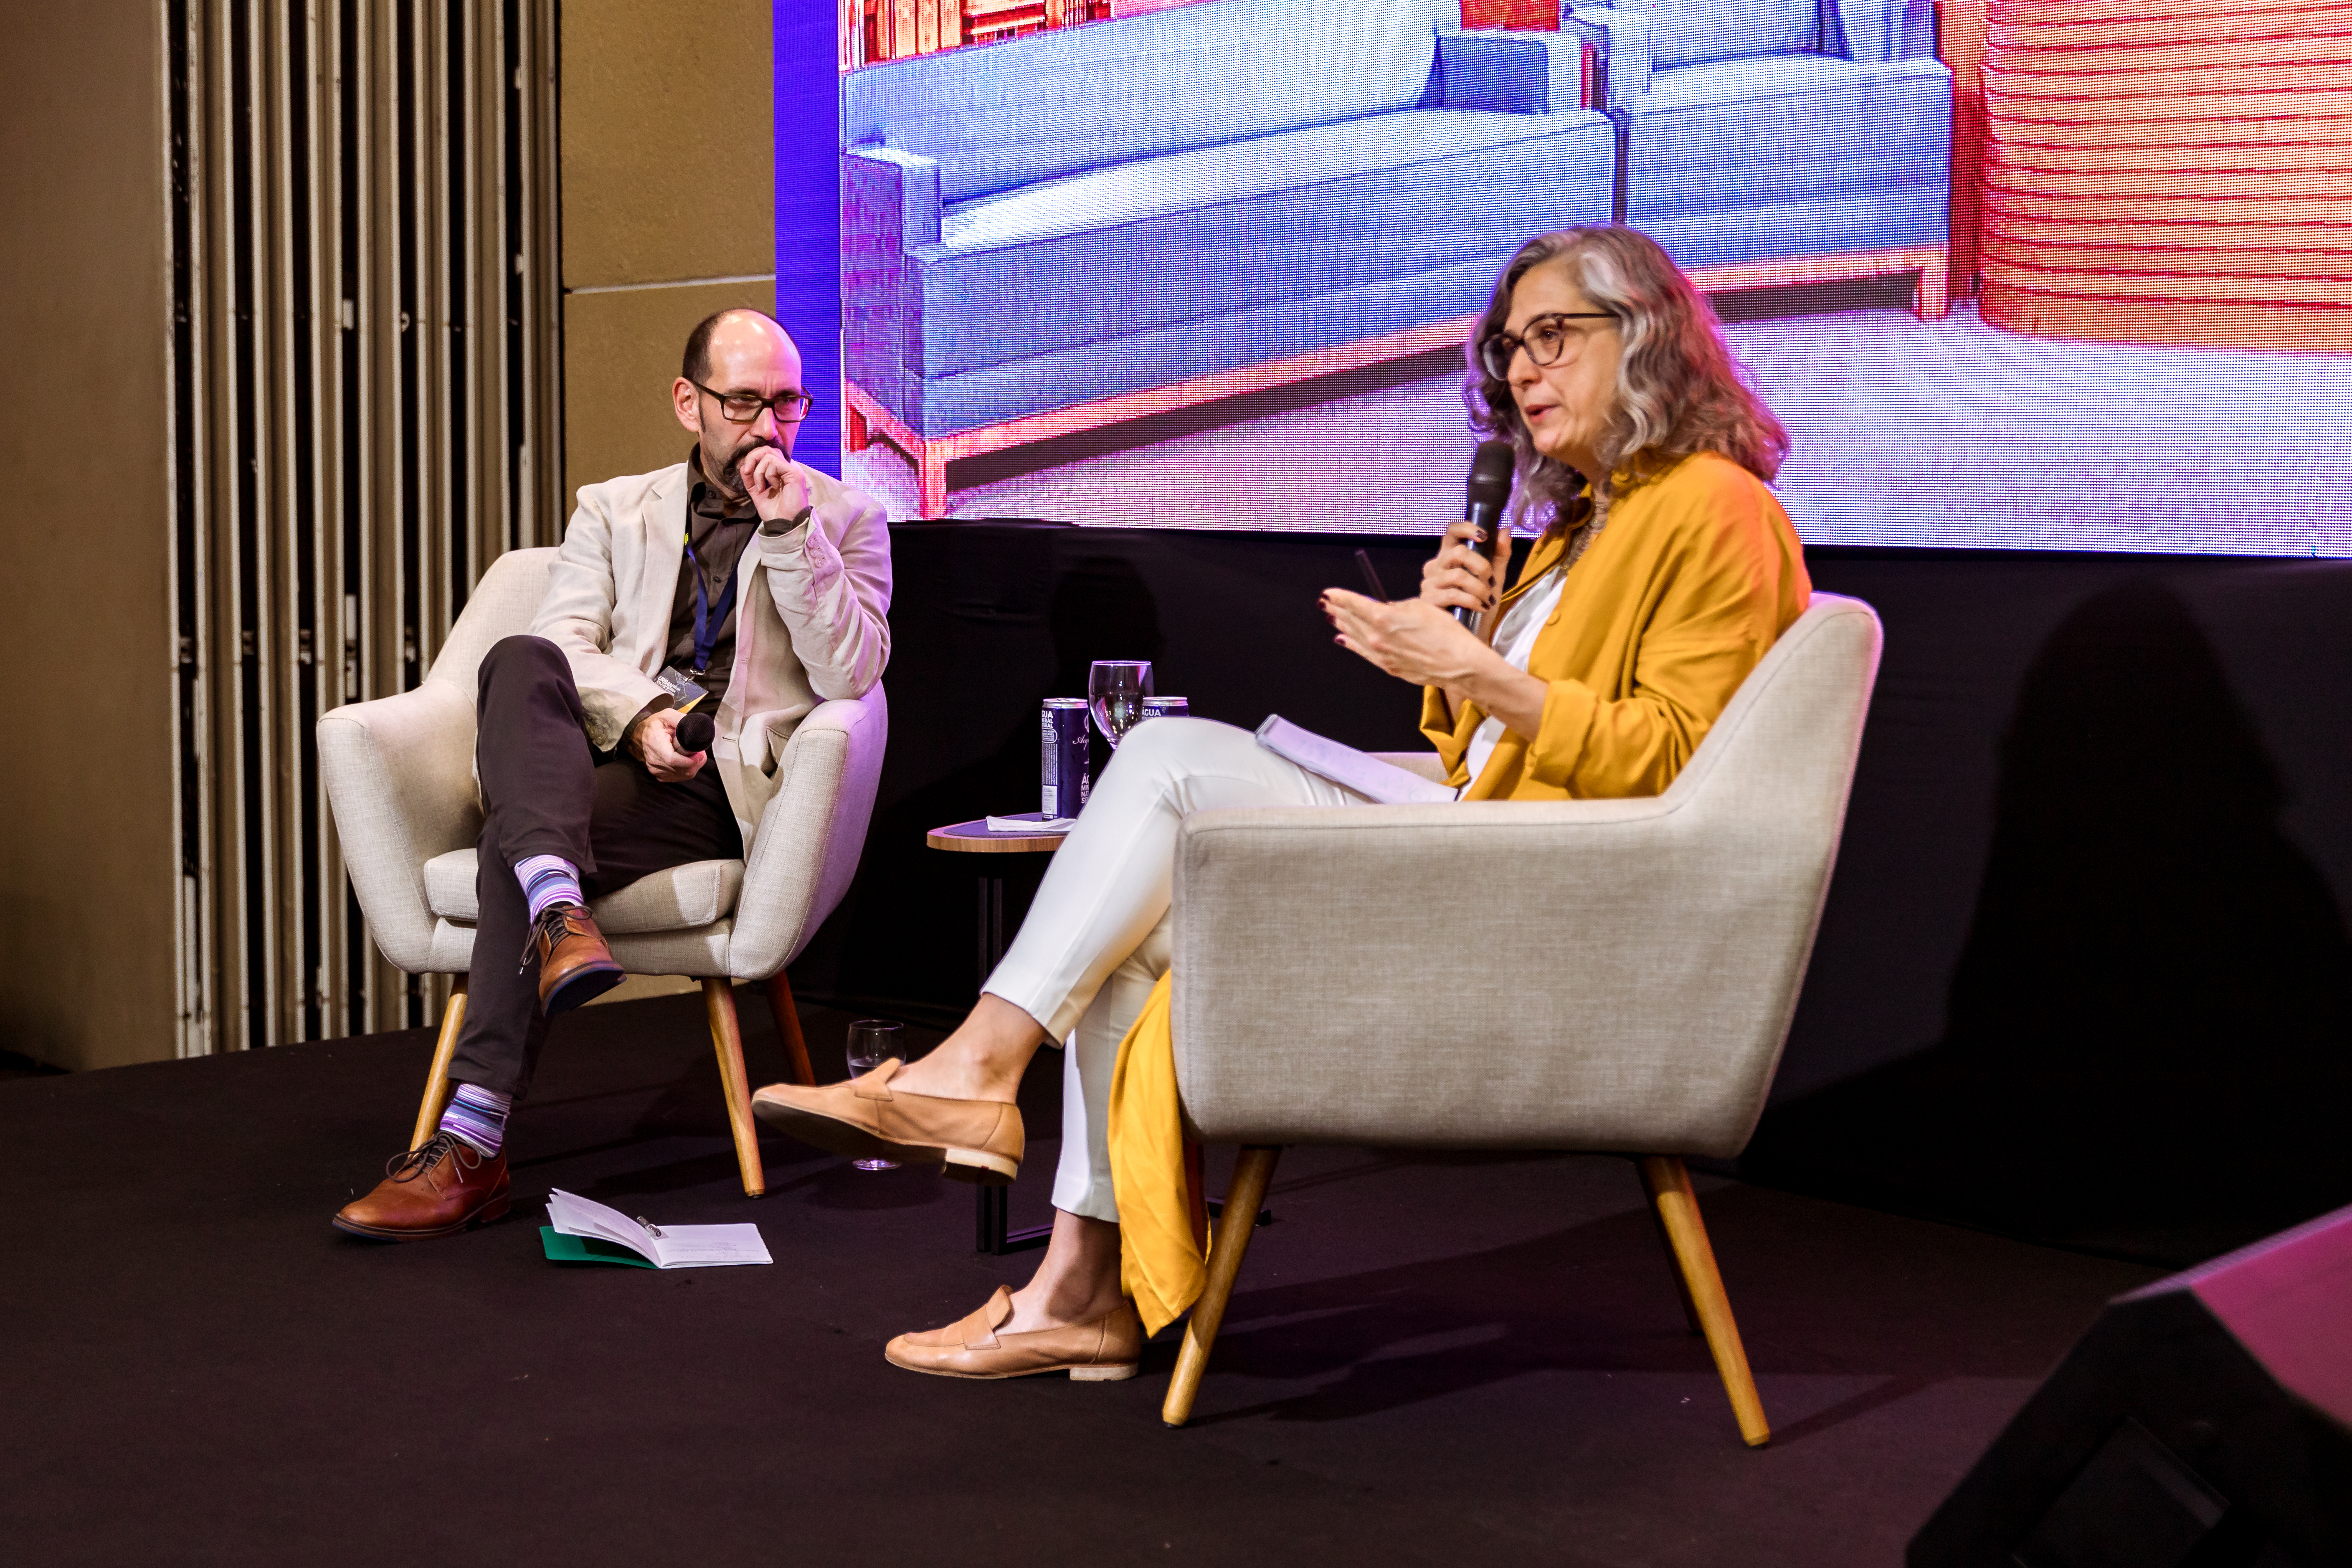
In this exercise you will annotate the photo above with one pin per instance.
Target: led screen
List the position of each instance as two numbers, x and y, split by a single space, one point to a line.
2073 275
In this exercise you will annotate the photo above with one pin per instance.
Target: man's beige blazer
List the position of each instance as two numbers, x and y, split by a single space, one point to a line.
812 616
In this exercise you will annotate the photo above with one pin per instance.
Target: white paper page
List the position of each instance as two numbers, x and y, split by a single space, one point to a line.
572 1214
1031 822
677 1245
1346 765
709 1245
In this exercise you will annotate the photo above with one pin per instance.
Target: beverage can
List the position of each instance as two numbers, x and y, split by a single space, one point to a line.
1167 708
1063 744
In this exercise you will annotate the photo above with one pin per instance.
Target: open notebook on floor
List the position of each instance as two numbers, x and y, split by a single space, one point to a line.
588 1232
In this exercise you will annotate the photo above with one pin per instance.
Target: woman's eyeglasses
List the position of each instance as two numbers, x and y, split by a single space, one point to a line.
742 407
1545 339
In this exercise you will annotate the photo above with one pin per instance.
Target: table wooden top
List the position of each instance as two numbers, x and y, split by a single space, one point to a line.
974 838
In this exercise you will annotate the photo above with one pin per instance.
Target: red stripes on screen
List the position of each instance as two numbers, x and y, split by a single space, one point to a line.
2169 171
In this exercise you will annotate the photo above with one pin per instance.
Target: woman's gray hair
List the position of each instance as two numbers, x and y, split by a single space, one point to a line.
1679 390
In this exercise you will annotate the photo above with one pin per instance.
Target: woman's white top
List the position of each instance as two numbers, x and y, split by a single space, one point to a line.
1516 638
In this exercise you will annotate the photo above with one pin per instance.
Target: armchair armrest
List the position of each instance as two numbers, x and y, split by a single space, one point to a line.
1874 31
811 833
1509 72
1595 974
399 773
889 208
891 193
1620 41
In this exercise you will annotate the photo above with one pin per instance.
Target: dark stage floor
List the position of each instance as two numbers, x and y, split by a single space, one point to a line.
1430 1359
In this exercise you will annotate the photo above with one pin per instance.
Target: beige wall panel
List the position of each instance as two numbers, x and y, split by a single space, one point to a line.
88 868
668 162
621 352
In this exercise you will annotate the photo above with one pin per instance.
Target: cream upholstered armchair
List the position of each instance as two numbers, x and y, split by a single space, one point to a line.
1609 975
399 778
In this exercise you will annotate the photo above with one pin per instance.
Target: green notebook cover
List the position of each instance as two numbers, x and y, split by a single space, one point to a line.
563 1249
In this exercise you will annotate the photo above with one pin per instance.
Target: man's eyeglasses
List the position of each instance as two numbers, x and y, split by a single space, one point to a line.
1545 340
742 407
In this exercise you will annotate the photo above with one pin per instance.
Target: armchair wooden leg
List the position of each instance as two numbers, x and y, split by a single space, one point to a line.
437 1082
788 1024
1677 1205
1666 1240
1243 1200
1931 301
933 469
727 1038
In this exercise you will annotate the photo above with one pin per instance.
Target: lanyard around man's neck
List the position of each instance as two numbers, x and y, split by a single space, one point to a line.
707 620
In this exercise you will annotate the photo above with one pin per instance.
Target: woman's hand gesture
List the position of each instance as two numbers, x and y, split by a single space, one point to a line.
1419 640
1416 641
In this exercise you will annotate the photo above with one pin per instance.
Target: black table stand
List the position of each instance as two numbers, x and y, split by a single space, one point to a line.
992 1206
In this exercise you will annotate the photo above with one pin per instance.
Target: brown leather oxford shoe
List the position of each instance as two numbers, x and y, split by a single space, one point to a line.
439 1189
575 965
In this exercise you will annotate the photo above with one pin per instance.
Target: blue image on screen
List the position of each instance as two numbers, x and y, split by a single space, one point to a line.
1212 265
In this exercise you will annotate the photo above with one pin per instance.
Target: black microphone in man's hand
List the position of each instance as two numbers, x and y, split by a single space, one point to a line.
1489 492
695 733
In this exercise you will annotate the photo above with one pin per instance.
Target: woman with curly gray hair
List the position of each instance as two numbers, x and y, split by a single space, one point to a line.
1664 571
1665 567
1678 389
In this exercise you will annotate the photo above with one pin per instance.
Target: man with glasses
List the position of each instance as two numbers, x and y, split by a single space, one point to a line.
736 584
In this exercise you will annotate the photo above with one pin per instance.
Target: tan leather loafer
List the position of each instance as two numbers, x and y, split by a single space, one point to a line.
441 1188
1108 1350
575 965
977 1140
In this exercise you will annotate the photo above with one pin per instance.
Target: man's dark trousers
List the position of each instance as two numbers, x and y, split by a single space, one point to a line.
547 791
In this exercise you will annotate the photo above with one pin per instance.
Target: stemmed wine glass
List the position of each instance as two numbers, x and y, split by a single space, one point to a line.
1116 689
871 1042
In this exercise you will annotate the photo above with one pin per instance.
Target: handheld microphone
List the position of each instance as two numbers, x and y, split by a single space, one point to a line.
695 733
1489 490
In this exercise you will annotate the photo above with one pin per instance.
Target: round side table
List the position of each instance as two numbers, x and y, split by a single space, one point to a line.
993 1206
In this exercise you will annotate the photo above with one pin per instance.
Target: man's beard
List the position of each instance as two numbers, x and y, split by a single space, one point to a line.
730 478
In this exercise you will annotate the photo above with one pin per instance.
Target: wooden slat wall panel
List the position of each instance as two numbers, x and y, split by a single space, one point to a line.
365 379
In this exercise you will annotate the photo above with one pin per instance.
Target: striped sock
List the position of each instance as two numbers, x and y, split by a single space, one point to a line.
479 1116
548 879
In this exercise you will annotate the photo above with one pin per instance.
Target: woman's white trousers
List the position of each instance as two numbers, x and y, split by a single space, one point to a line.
1096 937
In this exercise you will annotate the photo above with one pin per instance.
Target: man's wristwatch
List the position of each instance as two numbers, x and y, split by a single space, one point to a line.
780 525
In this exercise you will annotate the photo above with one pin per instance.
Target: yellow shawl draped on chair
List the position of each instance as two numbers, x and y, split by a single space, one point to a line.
1159 1265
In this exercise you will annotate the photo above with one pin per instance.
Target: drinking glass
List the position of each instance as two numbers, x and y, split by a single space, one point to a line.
871 1042
1116 689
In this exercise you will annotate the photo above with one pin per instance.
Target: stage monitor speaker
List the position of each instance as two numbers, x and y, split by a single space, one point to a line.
2204 1422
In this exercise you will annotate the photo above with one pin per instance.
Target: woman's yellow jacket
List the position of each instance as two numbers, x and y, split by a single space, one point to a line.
1693 576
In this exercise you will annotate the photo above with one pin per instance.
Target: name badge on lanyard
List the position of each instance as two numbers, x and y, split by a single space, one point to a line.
684 690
